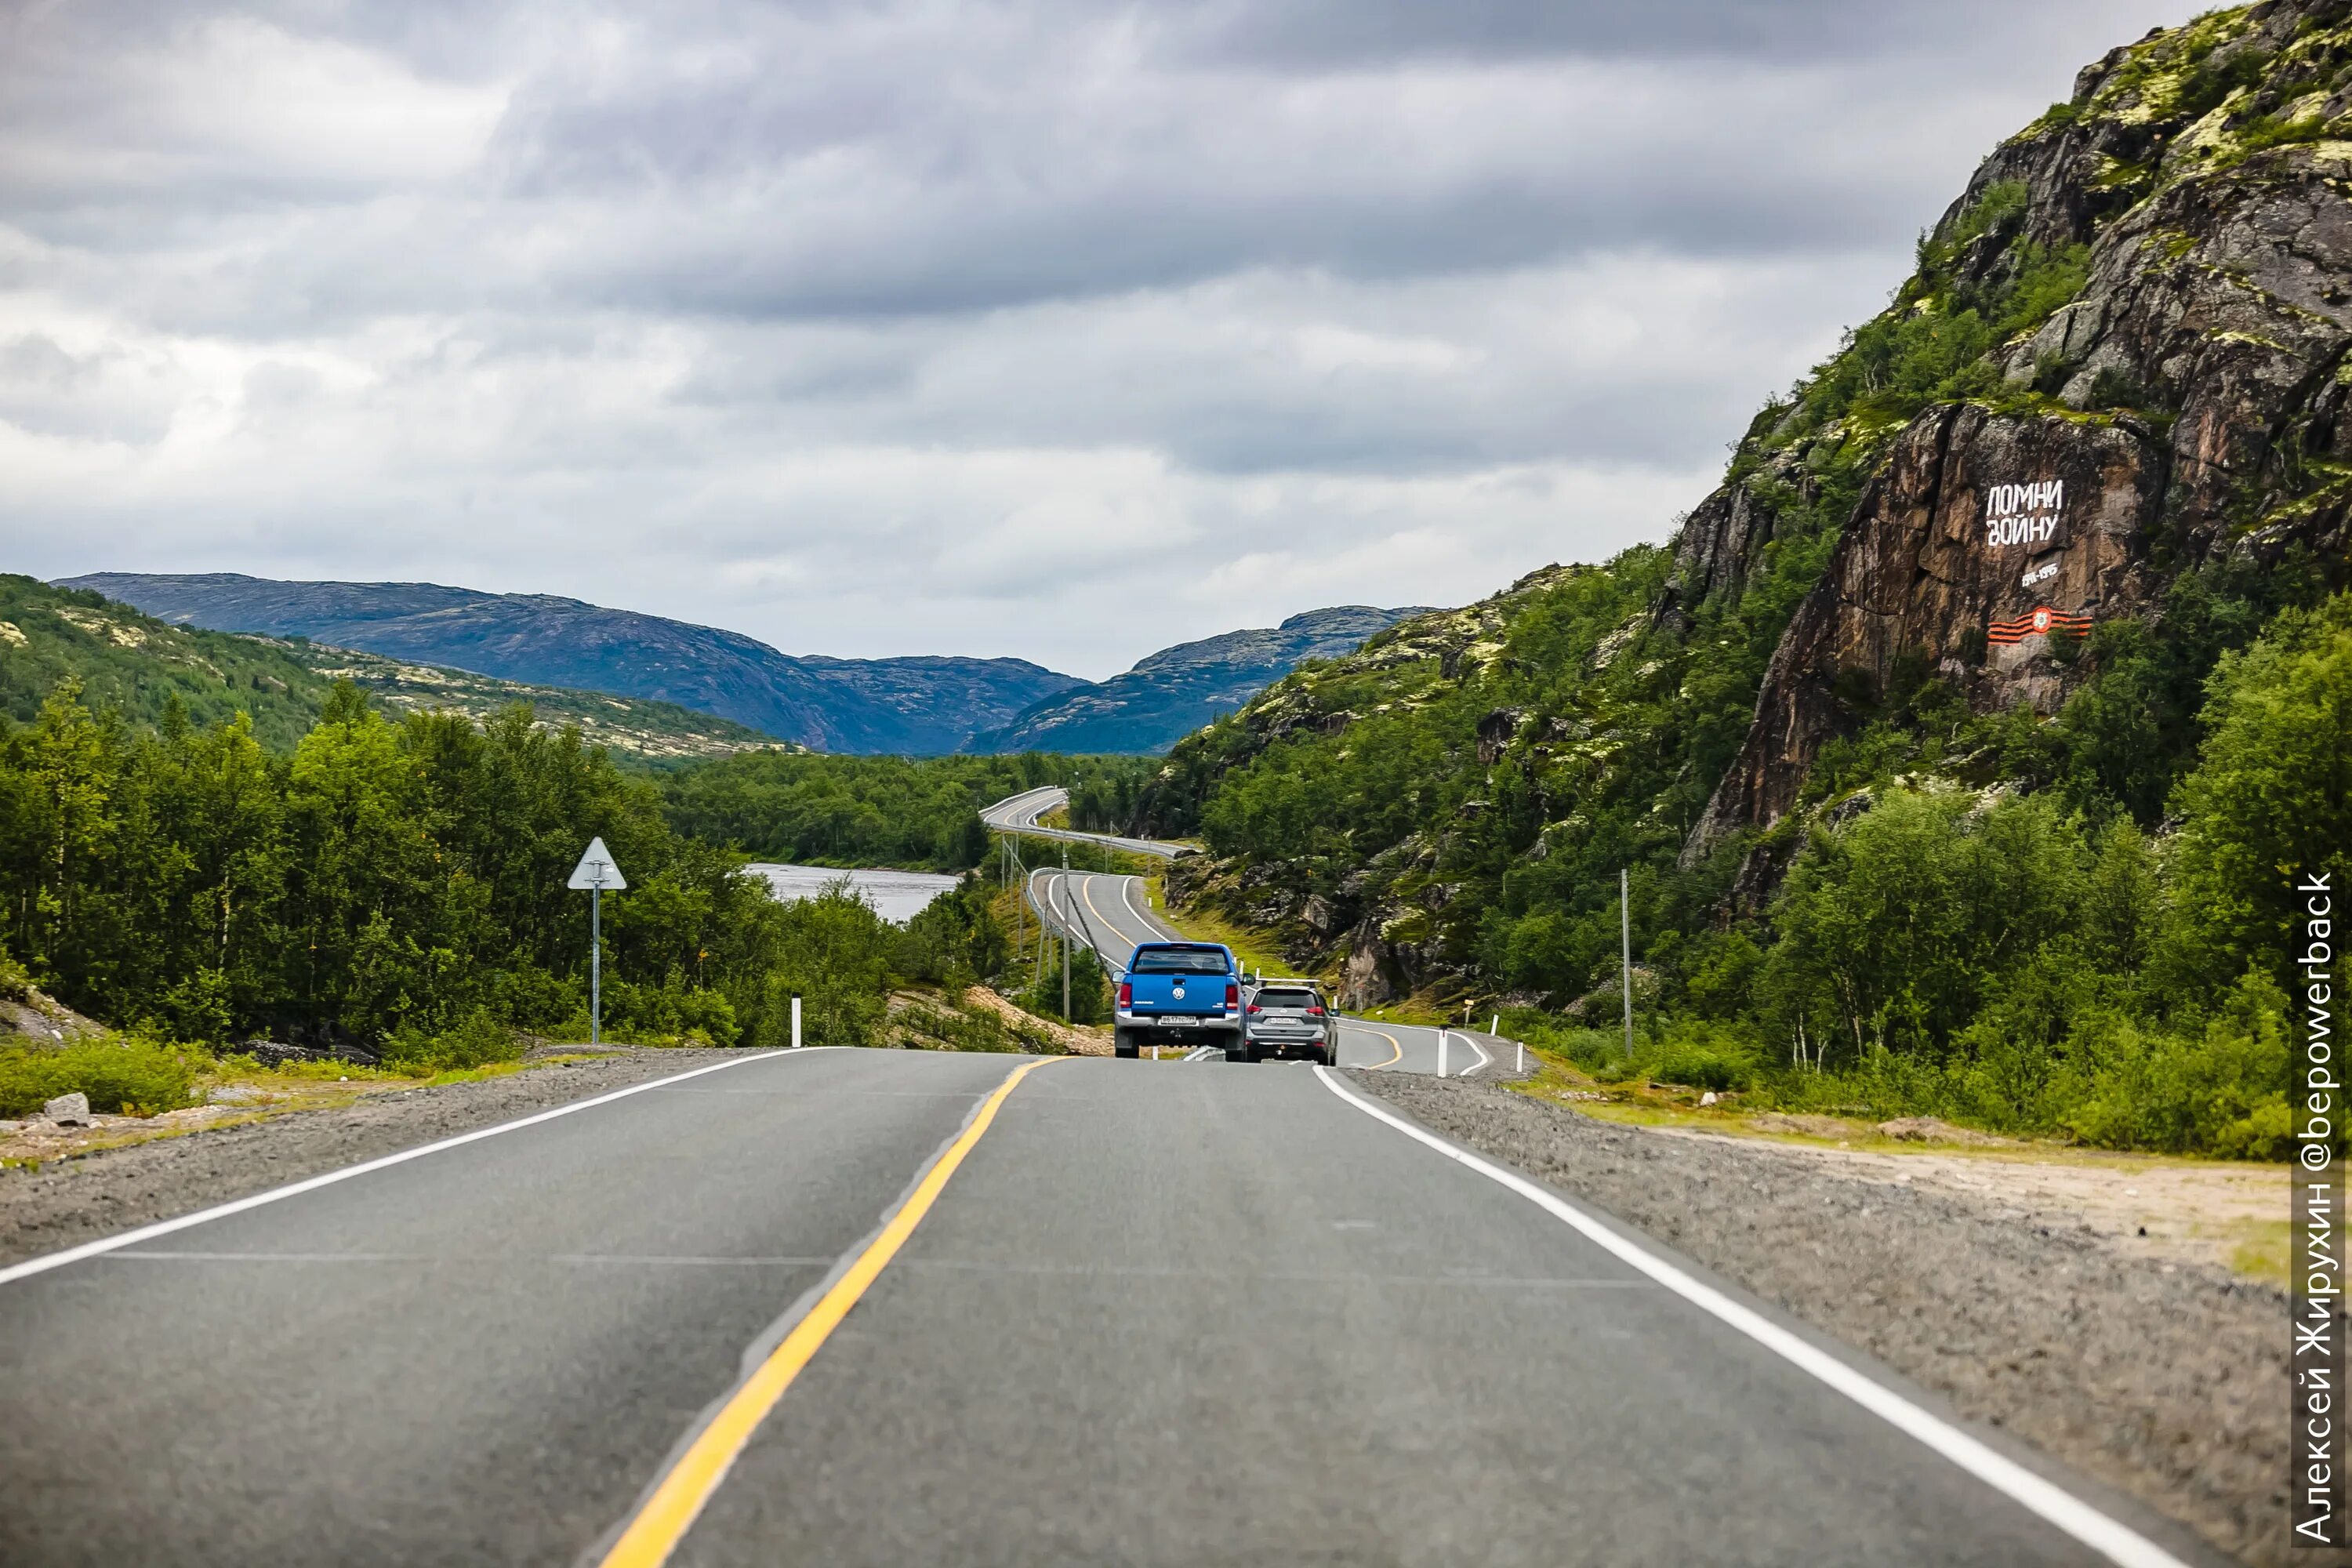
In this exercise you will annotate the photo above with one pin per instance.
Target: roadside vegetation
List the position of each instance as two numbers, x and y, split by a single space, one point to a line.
2076 929
391 890
2077 926
914 812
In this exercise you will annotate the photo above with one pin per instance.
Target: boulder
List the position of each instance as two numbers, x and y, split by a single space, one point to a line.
69 1110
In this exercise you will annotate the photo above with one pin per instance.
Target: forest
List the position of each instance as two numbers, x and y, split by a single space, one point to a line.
915 813
394 889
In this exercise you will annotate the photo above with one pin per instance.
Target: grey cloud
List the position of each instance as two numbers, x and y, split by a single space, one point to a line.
1347 32
832 320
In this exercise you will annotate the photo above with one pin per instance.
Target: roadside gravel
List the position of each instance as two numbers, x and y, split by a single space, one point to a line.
66 1202
2165 1380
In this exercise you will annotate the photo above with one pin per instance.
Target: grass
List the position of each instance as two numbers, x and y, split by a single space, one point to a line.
1257 950
2263 1250
123 1075
1261 951
294 1087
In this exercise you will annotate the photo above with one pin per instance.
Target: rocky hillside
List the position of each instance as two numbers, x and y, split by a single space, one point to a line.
922 705
2002 539
1176 691
2186 406
138 665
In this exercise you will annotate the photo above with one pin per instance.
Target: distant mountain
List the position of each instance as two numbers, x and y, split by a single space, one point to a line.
136 665
1178 690
923 705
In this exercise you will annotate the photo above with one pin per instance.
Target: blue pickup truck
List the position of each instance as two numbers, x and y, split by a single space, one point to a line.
1180 992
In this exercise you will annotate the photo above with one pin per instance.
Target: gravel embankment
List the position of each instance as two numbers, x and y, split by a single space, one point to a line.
2166 1381
64 1202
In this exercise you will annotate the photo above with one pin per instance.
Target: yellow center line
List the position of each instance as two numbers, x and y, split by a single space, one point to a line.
680 1497
1396 1047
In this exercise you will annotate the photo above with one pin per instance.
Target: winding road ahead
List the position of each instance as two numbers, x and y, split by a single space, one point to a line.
1112 914
1019 813
843 1307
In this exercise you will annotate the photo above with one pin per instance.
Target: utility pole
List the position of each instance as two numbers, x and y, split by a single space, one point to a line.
1626 927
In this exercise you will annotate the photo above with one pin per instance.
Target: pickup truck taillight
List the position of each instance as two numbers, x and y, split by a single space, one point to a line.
1125 993
1232 994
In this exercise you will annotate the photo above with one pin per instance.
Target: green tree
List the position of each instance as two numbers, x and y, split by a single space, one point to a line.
2270 800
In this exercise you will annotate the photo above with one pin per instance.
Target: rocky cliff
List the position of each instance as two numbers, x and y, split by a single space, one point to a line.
2001 537
2187 405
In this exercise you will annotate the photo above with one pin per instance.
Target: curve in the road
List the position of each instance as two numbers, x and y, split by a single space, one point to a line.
1019 813
1110 913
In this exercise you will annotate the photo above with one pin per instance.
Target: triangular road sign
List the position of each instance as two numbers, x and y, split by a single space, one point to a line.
596 869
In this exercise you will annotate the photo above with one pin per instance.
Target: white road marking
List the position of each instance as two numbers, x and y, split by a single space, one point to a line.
42 1265
2111 1539
1484 1059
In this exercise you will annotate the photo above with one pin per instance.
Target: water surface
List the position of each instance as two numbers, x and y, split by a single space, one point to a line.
896 896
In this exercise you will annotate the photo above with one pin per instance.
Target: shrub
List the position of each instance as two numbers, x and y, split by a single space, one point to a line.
15 981
2221 1090
479 1040
124 1075
1090 991
963 1029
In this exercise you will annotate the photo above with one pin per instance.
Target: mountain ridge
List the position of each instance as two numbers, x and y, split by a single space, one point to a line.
138 664
922 704
1165 696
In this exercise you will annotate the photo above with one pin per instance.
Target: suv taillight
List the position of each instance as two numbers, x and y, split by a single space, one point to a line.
1315 1011
1232 994
1125 993
1255 1008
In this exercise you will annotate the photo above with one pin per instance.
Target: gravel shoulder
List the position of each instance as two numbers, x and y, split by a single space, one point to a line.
63 1203
2164 1379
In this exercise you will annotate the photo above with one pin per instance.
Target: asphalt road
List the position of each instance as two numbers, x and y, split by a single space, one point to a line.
1112 915
1151 1316
1019 813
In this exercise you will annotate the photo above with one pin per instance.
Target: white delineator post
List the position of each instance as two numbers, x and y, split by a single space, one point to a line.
595 873
1441 1053
796 1023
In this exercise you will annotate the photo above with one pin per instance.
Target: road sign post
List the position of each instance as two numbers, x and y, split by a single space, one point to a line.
595 873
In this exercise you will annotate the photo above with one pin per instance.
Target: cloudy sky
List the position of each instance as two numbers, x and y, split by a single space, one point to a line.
1059 330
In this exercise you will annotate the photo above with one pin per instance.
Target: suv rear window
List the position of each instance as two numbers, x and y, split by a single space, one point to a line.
1285 999
1180 961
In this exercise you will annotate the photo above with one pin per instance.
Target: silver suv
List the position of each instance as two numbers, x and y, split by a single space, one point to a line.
1289 1019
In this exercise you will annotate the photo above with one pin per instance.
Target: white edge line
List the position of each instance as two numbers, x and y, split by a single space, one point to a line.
1485 1061
43 1264
2111 1539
